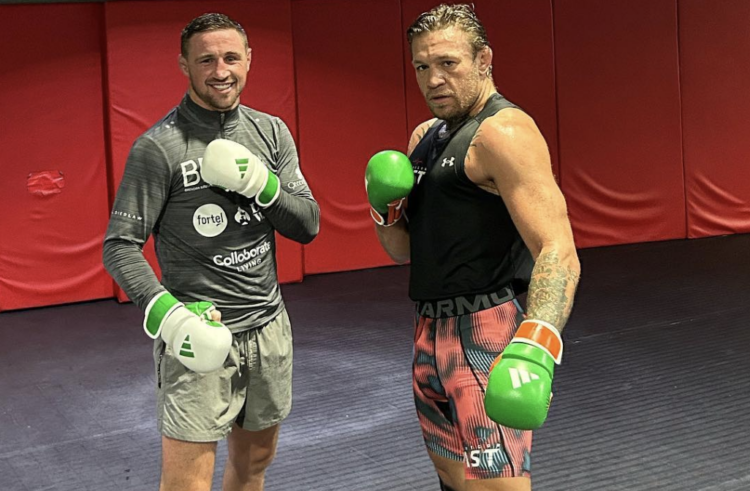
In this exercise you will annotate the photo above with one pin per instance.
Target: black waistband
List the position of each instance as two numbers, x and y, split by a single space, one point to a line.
464 304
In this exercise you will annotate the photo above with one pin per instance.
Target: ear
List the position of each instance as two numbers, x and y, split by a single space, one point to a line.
485 60
183 65
249 57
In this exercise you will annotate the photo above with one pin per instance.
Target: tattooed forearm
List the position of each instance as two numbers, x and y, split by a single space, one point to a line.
552 288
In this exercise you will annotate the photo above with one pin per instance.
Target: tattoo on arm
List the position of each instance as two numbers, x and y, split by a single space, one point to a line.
473 144
416 137
551 291
475 138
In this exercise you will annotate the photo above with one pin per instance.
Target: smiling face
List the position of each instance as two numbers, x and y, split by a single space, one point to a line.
451 78
216 64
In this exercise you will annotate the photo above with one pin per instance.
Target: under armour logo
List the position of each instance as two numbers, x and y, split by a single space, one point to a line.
448 162
521 377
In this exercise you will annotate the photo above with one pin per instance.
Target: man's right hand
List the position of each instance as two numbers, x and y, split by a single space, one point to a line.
389 178
201 344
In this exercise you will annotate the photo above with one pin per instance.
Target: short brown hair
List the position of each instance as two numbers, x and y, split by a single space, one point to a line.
206 23
443 16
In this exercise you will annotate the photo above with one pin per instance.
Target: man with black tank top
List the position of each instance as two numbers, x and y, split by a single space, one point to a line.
476 210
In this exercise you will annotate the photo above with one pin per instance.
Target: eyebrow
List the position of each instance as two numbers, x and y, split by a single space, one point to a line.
211 55
417 61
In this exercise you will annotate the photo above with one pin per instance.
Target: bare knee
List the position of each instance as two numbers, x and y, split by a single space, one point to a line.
187 466
258 460
251 452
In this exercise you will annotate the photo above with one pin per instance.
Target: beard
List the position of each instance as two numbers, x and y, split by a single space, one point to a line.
461 102
458 112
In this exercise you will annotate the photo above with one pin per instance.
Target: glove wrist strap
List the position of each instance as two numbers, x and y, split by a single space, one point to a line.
157 311
395 212
269 192
543 335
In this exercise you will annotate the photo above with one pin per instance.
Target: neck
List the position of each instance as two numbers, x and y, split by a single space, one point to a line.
485 92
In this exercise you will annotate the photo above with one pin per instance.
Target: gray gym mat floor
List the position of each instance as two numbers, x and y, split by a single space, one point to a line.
652 394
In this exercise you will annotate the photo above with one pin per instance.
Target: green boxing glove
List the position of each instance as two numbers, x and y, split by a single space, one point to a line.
389 178
519 389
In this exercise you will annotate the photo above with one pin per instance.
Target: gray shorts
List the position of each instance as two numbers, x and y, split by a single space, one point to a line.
253 389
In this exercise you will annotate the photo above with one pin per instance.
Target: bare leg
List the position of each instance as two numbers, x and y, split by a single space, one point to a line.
250 454
451 472
186 466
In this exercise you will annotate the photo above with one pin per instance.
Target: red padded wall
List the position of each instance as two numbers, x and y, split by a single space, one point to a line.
606 72
416 108
521 37
51 104
350 105
715 76
619 119
143 45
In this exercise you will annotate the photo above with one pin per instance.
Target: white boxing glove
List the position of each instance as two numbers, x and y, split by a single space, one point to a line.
232 166
200 344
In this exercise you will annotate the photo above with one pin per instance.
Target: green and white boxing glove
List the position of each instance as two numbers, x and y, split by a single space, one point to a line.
389 178
201 344
232 166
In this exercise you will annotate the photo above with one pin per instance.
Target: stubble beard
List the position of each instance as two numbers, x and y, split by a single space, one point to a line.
460 113
464 105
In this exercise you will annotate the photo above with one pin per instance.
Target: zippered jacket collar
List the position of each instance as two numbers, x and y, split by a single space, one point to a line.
220 120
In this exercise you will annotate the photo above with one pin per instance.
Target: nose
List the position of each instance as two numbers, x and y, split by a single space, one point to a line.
222 69
435 79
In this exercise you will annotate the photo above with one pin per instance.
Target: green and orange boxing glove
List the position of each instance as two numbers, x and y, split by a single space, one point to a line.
389 178
519 389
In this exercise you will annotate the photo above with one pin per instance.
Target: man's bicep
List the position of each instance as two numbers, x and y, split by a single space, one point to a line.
517 160
538 210
142 193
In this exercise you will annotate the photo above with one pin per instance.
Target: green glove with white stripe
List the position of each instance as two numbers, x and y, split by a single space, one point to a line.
231 166
519 389
201 344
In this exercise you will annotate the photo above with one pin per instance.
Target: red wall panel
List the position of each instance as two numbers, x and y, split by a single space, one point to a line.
350 105
143 45
715 76
416 108
619 120
51 103
521 37
610 68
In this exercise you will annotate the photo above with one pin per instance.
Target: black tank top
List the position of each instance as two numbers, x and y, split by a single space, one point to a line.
463 241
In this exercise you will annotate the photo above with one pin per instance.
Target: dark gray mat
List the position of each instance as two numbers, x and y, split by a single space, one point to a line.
652 393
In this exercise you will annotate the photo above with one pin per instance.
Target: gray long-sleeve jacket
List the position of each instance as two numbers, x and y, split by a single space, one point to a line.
211 244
